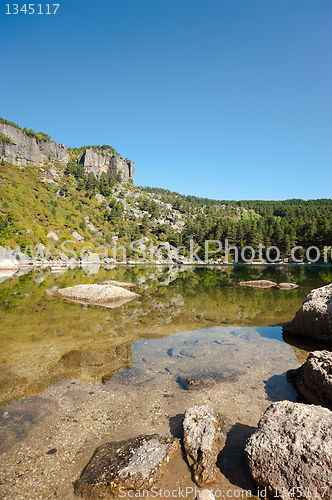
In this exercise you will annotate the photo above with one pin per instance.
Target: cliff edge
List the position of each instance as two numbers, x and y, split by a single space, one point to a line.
21 148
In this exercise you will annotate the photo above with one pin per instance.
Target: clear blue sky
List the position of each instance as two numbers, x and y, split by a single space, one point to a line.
226 99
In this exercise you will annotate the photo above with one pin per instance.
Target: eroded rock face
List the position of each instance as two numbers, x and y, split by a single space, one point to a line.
25 149
98 163
202 438
314 319
292 448
314 378
133 464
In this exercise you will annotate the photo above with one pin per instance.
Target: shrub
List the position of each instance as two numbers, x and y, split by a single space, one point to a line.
4 138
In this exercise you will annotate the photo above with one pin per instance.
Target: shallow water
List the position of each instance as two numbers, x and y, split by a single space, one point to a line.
128 367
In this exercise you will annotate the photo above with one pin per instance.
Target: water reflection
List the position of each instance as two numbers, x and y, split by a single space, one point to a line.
44 340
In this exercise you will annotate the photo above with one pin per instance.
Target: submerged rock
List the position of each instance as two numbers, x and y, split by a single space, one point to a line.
314 319
96 294
287 286
292 448
313 379
259 283
206 381
194 382
133 464
202 436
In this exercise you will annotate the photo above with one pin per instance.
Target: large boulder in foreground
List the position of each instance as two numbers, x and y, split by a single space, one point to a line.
292 448
96 294
202 436
313 379
133 464
314 319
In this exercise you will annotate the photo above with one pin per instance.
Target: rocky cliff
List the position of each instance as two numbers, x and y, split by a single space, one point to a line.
22 149
97 163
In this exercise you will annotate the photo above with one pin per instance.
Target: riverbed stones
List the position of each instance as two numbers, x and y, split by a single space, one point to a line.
132 464
314 319
313 379
203 435
95 294
292 448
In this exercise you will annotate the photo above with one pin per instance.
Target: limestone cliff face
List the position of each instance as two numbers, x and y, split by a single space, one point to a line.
97 163
24 149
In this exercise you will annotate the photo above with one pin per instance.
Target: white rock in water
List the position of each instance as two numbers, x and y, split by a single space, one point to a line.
96 294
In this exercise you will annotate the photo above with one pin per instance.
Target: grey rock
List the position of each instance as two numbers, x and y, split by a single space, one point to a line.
105 295
100 198
287 286
9 259
91 228
52 236
25 149
314 319
98 163
313 379
52 174
203 435
91 257
292 448
63 257
133 464
77 236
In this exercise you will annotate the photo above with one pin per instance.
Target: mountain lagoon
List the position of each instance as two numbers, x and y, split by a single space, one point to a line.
74 376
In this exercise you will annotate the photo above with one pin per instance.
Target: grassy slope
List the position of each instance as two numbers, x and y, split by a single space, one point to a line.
32 205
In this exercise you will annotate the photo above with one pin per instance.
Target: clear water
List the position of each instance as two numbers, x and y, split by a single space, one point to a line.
74 376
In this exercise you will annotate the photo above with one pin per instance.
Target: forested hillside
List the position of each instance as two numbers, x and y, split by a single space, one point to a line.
91 209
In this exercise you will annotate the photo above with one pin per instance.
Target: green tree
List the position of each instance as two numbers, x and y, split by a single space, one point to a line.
82 225
145 226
